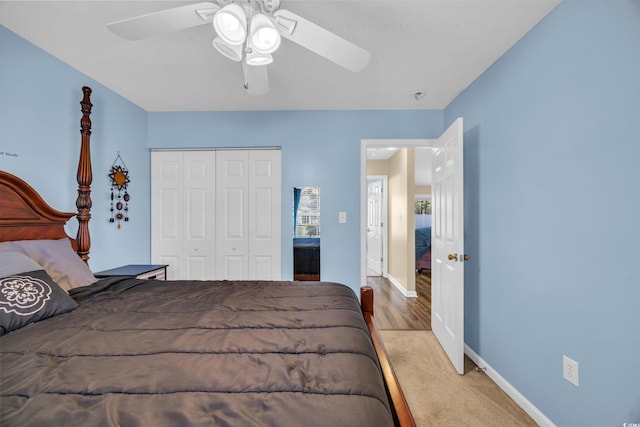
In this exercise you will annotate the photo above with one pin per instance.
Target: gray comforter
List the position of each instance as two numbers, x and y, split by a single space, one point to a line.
153 353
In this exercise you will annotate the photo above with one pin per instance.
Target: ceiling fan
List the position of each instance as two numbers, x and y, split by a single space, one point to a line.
247 31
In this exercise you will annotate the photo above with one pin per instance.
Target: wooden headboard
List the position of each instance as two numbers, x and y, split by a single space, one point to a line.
24 215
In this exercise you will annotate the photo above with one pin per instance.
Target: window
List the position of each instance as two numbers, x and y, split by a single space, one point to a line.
423 207
307 212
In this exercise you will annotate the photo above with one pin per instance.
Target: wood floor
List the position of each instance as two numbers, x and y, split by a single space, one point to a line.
392 310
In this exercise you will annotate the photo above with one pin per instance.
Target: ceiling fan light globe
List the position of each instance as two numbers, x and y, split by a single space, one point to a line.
265 38
232 52
257 59
230 24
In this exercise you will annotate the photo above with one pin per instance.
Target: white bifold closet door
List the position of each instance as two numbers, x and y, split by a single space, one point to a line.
216 214
183 213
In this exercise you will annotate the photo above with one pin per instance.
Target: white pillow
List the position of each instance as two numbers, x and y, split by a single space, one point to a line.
58 259
15 263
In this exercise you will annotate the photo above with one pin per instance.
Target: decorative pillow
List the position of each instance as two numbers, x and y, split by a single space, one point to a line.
58 259
29 297
16 262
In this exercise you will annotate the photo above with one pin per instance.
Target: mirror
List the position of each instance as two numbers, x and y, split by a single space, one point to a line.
306 233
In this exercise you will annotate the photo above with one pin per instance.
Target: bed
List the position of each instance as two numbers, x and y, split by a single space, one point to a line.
423 248
76 350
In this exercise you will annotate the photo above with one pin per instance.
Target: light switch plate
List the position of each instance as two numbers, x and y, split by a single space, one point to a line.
342 217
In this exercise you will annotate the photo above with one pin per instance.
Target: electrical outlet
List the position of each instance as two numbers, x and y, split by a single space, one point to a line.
570 371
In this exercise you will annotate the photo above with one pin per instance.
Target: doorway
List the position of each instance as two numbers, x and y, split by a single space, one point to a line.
448 237
404 172
387 159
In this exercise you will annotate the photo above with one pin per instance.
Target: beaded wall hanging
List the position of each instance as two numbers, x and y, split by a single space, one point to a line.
119 196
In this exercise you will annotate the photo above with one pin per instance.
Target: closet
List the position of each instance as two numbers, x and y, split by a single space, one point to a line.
216 214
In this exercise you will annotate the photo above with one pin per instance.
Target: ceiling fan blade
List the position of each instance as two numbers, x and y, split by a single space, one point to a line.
256 79
164 21
321 41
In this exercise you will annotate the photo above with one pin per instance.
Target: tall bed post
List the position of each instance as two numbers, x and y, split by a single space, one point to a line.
84 177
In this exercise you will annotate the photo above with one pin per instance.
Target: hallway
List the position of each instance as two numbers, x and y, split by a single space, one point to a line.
394 311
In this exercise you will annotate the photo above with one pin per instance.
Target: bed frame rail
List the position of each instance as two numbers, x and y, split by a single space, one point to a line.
401 413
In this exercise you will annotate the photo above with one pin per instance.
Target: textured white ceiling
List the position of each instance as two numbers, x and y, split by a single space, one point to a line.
435 46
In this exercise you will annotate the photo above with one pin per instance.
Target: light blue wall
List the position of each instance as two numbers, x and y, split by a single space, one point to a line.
551 191
319 148
40 121
40 129
552 147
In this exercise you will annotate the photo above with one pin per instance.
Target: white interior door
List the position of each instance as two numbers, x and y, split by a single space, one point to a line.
374 226
265 224
447 240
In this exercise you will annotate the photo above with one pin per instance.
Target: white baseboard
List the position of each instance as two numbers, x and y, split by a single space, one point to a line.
406 293
522 401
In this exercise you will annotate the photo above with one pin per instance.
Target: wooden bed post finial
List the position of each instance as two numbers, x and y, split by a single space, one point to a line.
84 177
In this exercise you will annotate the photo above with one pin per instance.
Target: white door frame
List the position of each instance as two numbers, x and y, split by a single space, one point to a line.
364 144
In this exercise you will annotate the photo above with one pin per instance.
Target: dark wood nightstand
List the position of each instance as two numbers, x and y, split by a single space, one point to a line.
139 271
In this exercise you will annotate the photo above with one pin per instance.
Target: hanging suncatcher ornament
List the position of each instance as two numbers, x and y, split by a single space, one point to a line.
119 196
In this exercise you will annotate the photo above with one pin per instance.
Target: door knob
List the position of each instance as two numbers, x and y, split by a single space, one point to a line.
466 257
453 257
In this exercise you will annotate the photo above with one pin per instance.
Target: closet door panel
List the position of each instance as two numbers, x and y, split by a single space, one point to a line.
234 267
197 267
199 226
265 215
262 268
171 220
167 214
231 214
183 213
217 214
234 217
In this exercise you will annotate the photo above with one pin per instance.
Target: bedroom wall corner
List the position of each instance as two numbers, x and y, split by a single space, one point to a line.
40 143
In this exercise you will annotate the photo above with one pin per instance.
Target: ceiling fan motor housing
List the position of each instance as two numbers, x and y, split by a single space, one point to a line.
271 5
268 6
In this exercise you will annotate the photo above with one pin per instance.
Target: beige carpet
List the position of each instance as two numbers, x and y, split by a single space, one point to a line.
437 395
